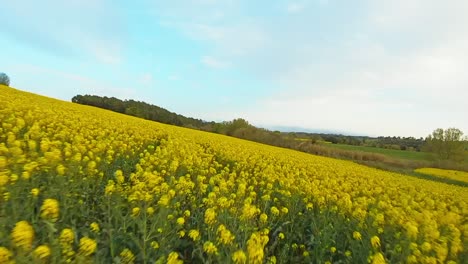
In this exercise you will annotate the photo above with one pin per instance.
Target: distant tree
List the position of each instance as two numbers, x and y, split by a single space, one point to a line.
4 79
236 124
447 144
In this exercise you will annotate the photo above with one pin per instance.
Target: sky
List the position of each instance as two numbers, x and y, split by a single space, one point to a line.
364 67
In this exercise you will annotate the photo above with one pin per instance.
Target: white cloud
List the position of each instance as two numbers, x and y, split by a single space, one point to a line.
393 68
214 62
71 28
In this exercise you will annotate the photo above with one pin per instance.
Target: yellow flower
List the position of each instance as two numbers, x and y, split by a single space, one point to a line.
173 258
42 252
210 216
378 258
210 248
412 230
126 256
13 178
6 196
347 253
87 246
284 210
426 247
181 233
66 236
180 221
60 170
119 176
187 213
150 210
3 180
255 246
164 200
194 234
357 235
110 188
3 162
272 259
274 211
263 218
239 257
135 211
375 241
333 249
35 192
5 255
23 235
26 175
50 210
225 236
94 227
154 244
281 235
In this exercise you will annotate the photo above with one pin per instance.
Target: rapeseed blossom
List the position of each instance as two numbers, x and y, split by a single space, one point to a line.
239 257
42 252
162 188
375 241
126 256
210 248
87 246
194 234
23 235
50 210
5 255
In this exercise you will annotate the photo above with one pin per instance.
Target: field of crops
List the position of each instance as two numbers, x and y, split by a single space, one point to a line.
461 176
394 153
84 185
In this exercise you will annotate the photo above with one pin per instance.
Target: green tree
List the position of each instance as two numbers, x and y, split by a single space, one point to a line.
4 79
236 124
447 144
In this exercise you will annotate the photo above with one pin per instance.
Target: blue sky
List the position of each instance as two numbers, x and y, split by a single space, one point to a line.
371 67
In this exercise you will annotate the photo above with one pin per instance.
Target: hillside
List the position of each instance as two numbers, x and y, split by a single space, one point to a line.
399 154
81 184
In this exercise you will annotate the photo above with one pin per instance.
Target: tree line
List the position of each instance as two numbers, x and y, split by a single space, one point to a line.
444 144
398 143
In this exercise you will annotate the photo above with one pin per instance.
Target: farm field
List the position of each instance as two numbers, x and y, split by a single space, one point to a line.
85 185
401 154
446 174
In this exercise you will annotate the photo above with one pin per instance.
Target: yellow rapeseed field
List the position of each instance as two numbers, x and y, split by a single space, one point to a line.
446 174
84 185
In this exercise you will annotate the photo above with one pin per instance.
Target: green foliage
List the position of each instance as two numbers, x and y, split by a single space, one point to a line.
140 109
396 143
4 79
446 144
395 153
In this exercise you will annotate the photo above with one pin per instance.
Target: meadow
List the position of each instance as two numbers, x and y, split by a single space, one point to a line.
394 153
85 185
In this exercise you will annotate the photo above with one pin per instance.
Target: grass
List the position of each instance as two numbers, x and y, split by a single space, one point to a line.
399 161
401 154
